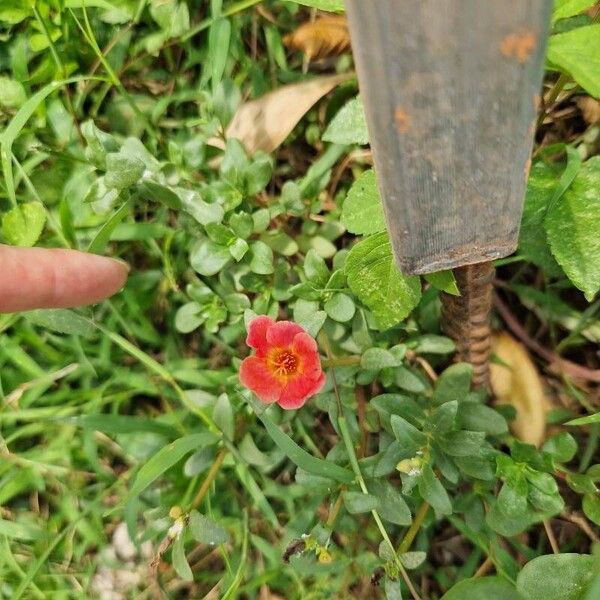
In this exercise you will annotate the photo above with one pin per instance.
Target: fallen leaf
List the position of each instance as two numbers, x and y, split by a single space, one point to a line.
517 382
264 123
323 37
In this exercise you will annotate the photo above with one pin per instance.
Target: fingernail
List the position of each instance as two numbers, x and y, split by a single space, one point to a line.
123 263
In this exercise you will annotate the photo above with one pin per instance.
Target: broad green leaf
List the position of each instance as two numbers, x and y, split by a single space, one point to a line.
556 577
512 498
572 227
533 243
433 492
392 506
122 170
340 307
23 224
166 458
208 258
315 268
483 588
479 417
375 279
188 317
413 560
349 125
577 53
199 461
12 93
223 416
443 417
61 320
378 358
357 502
563 9
180 563
430 343
591 507
407 435
262 258
328 5
362 212
392 588
562 446
301 458
206 530
444 281
454 383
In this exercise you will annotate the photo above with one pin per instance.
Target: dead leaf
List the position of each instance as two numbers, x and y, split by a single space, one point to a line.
590 109
517 382
264 123
323 37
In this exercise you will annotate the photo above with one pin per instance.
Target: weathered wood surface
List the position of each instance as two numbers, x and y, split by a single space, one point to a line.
450 91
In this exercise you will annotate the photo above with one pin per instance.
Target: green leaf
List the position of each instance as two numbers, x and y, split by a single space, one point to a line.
407 435
315 268
180 563
512 498
207 531
562 446
392 506
328 5
444 281
262 258
61 320
572 227
563 9
433 492
375 279
308 317
588 420
378 358
483 588
102 238
533 243
362 211
340 307
208 258
556 577
430 343
99 143
392 588
203 212
122 170
223 416
21 531
158 193
577 53
122 424
443 417
591 507
303 459
454 383
479 417
166 458
219 35
413 560
188 317
357 502
12 93
349 125
462 443
23 224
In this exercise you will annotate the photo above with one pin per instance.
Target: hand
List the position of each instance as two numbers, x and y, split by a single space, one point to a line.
56 278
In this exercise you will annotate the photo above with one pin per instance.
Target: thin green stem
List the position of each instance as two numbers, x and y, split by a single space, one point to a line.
343 425
410 535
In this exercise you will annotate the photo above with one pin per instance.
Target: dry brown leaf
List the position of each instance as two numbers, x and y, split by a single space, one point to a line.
590 109
520 385
264 123
324 37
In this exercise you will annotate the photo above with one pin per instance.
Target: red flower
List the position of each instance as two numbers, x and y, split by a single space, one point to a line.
286 367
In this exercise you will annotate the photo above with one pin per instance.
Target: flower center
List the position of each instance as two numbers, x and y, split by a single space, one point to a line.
285 363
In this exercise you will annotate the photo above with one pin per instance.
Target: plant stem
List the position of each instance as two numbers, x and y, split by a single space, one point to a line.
420 515
342 361
209 478
343 425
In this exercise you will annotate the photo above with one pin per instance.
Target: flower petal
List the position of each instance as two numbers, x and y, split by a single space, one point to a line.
306 347
257 333
299 390
255 375
282 334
